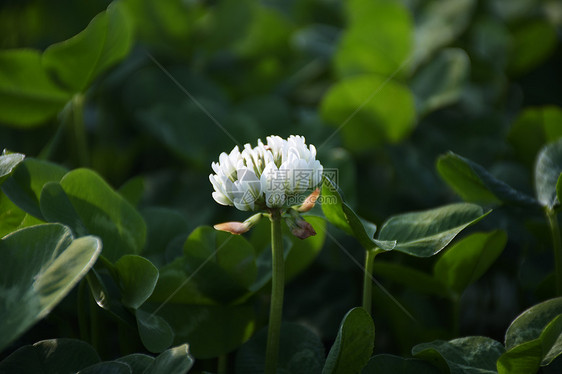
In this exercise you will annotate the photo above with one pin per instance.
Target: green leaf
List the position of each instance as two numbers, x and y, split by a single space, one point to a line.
531 43
473 183
211 330
441 82
532 129
8 163
57 207
354 344
138 362
155 333
559 188
343 217
425 233
530 324
11 217
379 39
132 190
25 184
529 356
386 363
28 97
175 360
468 259
228 260
163 227
438 24
90 204
78 61
410 277
50 356
137 279
108 367
369 110
547 172
300 352
471 354
40 265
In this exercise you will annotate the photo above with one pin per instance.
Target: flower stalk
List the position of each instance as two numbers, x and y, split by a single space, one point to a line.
367 283
370 255
557 247
277 290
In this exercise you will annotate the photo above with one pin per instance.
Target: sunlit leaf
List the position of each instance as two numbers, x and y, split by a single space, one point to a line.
86 202
547 172
8 163
529 356
176 360
468 355
530 324
378 39
28 97
425 233
369 110
76 62
41 264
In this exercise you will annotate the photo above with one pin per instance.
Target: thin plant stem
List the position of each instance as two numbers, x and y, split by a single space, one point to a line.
80 130
94 324
222 364
83 301
367 278
557 247
456 315
277 289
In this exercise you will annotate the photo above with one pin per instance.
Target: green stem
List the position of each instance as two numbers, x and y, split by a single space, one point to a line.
456 315
557 247
277 288
367 281
222 364
80 129
94 324
83 301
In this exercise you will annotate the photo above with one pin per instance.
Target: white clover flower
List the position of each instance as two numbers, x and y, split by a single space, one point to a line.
269 175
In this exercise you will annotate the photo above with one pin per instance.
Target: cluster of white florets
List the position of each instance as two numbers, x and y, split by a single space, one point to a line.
269 175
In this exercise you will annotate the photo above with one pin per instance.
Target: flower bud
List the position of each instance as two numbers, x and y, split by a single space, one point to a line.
309 202
298 226
238 228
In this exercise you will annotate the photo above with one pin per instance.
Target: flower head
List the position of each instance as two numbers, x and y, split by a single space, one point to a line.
271 175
